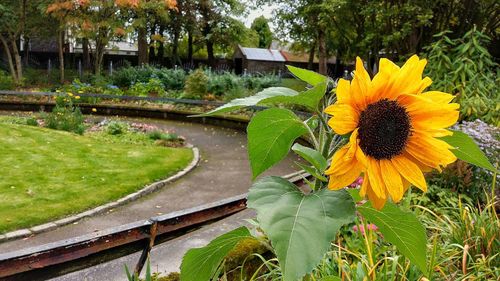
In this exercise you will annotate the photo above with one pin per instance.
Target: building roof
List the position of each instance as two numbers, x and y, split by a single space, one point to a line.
262 54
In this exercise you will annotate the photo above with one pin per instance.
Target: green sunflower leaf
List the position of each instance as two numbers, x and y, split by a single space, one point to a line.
402 229
299 226
201 264
271 133
310 77
252 100
310 155
467 150
275 95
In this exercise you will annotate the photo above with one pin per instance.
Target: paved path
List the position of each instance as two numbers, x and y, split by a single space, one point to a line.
223 172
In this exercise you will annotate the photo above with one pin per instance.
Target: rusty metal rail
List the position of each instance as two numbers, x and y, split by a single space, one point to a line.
58 258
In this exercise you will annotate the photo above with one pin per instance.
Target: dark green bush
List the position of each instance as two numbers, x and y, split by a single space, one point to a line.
6 81
172 79
116 128
153 87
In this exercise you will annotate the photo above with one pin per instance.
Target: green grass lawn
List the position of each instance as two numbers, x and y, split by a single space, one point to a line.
47 174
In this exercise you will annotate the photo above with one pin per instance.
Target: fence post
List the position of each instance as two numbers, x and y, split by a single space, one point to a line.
111 68
80 72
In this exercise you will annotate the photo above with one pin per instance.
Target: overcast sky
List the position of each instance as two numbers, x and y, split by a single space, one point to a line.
265 11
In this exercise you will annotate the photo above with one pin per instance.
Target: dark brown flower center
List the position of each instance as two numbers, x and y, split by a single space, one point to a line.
384 128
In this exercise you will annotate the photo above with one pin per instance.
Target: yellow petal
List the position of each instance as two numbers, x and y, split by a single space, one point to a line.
410 171
343 91
377 202
364 186
344 118
426 114
426 82
430 151
360 86
392 180
343 180
438 97
339 161
376 181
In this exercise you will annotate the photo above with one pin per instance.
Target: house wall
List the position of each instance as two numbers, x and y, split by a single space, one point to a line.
253 66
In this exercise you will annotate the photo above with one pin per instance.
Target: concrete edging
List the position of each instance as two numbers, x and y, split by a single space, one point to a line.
21 233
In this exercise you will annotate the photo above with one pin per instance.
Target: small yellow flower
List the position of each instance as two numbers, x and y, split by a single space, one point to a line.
58 91
70 94
80 92
94 110
77 97
394 129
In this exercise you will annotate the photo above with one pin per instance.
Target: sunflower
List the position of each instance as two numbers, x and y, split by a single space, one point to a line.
394 129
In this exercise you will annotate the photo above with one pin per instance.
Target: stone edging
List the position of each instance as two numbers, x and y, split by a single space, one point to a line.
100 209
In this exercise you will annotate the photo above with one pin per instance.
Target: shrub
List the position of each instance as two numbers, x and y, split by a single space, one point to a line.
31 121
158 135
153 87
172 79
464 67
6 81
220 84
65 116
116 128
196 85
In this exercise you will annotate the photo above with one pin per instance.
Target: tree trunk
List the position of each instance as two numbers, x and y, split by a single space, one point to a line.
17 58
323 68
86 53
61 55
210 52
142 44
312 51
190 47
9 59
175 46
161 48
26 57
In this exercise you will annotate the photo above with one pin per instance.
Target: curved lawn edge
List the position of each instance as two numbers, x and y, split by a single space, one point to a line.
21 233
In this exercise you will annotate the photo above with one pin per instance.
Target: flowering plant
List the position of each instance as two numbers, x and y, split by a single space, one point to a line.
388 130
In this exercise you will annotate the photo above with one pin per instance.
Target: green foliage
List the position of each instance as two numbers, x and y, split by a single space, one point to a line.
402 229
312 156
196 85
65 116
171 79
116 128
467 150
153 87
310 77
257 99
202 264
299 226
6 81
99 86
158 135
271 133
261 26
464 67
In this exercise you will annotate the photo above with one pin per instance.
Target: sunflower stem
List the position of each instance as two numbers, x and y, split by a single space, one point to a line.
313 137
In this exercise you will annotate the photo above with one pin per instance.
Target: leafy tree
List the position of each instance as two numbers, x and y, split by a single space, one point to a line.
261 26
14 23
216 20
